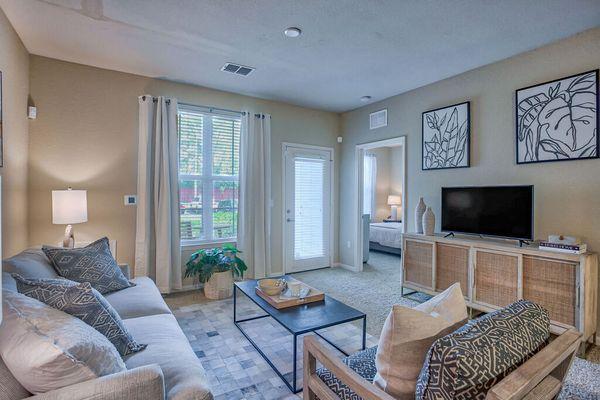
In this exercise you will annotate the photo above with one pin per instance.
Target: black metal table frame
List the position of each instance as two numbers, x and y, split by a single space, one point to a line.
292 386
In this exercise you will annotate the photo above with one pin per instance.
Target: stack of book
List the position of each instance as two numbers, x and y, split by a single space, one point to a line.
574 248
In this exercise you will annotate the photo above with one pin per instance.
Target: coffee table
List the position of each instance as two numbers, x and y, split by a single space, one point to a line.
298 320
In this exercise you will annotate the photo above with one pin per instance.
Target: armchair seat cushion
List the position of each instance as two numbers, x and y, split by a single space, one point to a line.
363 363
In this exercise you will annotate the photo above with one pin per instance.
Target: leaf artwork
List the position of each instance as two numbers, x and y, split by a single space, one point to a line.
558 120
446 137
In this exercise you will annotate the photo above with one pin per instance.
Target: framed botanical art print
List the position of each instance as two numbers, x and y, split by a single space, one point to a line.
446 137
558 120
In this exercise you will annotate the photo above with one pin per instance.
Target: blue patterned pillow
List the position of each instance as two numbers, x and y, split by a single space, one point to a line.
468 362
84 302
93 263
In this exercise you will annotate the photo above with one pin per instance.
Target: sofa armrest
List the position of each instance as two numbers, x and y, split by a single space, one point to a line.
125 270
543 374
141 383
313 385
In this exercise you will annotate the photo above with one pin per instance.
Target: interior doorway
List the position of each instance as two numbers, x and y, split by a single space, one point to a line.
380 216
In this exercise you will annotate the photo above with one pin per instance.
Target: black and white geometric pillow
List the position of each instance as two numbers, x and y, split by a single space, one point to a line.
84 302
93 263
467 363
363 363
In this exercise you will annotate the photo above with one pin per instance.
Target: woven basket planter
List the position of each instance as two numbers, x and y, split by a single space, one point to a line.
219 286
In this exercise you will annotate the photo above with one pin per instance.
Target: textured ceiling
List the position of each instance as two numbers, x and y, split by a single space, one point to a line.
349 48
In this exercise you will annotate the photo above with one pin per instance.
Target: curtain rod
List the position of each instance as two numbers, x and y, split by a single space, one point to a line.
210 108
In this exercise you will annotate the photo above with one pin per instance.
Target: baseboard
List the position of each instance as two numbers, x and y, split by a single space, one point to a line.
346 266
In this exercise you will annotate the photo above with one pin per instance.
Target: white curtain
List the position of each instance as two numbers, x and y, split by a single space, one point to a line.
157 246
254 233
369 185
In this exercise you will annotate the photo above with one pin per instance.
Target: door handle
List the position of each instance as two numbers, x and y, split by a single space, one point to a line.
289 219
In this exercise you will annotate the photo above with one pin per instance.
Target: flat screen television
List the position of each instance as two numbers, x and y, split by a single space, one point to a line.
500 211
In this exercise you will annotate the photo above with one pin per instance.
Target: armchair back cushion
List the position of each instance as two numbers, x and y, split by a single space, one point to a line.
407 335
468 362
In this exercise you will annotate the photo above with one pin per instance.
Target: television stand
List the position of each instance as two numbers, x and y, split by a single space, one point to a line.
451 234
524 242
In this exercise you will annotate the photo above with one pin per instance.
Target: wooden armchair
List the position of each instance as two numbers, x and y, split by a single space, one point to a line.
540 377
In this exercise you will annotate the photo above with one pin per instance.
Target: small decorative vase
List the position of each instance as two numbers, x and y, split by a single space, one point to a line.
419 215
428 222
219 286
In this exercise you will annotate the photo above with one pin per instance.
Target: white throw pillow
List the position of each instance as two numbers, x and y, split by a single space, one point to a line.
407 335
46 349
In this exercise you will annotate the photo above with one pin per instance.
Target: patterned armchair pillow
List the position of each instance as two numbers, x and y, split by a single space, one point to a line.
93 263
362 363
468 362
84 302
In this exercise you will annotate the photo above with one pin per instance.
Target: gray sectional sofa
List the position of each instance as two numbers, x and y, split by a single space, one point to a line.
167 369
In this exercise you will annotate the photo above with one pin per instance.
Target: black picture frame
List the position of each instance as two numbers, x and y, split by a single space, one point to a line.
555 90
467 143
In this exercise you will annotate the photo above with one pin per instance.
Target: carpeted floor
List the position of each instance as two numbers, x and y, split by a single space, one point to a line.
235 370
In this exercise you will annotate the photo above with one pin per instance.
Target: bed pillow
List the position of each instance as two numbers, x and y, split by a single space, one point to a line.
407 336
93 263
468 362
46 349
84 302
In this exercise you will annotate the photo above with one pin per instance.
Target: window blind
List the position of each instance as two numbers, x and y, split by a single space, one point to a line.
309 213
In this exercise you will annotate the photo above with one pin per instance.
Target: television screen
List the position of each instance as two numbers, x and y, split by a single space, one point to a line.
502 211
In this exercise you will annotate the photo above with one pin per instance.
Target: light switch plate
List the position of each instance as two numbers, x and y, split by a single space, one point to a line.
130 199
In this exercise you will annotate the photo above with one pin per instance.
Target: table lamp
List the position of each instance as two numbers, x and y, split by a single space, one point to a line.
69 207
394 201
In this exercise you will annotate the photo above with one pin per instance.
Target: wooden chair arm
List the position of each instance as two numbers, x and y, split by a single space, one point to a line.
313 385
542 375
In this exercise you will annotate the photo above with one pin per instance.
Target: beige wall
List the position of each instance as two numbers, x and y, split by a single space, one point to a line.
85 136
14 64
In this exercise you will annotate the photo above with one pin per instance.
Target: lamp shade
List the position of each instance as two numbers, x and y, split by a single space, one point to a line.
69 206
394 200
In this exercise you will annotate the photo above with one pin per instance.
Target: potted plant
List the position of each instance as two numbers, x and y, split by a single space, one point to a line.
216 268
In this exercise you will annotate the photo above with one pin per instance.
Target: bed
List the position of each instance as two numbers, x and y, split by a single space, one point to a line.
386 237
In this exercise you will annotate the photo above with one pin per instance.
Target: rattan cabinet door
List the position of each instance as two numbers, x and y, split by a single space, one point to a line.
418 263
553 285
496 278
451 266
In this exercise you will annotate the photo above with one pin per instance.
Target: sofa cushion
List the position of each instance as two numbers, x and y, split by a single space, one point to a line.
363 363
169 348
139 300
468 362
84 302
46 349
93 263
30 263
407 335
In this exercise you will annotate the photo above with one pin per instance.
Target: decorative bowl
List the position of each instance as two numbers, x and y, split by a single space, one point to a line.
271 287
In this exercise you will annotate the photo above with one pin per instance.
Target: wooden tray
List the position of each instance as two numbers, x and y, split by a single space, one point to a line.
275 301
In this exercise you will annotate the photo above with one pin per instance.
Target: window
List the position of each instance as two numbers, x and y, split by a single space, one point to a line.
209 149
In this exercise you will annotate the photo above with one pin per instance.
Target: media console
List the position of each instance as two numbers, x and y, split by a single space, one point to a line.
495 273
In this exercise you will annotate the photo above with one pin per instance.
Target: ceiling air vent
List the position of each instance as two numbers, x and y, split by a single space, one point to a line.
237 69
378 119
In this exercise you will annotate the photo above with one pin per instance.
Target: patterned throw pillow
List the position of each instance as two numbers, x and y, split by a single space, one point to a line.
93 263
468 362
363 363
84 302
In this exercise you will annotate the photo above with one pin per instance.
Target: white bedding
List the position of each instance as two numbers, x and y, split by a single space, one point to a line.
386 233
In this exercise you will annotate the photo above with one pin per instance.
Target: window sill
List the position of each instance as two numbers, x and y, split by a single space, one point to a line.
206 243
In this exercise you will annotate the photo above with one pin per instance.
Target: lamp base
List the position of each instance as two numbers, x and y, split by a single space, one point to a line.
69 239
394 213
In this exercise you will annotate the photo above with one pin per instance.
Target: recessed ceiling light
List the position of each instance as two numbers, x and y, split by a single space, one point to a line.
365 98
292 32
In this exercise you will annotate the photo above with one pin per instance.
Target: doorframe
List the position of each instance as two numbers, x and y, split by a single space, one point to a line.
358 179
331 150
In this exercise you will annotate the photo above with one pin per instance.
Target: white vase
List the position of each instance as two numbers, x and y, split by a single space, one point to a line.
219 286
428 222
419 215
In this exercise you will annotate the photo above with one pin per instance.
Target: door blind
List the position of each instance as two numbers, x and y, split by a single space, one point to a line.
309 238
